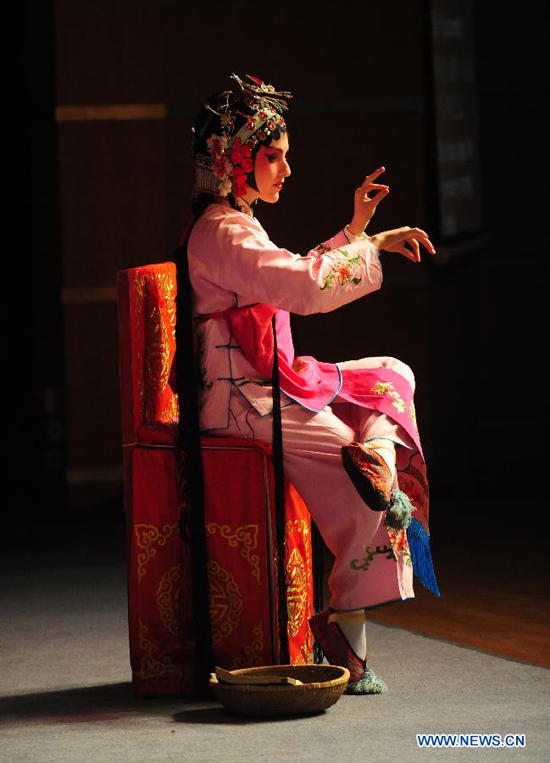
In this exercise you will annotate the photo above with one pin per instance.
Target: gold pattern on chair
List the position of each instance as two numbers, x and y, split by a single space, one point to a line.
302 526
154 369
168 595
151 665
296 592
226 602
158 352
305 655
148 537
247 535
298 572
139 289
254 652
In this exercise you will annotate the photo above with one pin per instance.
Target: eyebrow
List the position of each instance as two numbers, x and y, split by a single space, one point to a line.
273 148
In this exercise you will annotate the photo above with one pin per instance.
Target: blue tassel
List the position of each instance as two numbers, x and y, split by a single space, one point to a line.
419 545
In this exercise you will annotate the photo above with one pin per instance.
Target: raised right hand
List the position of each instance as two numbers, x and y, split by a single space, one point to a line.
395 240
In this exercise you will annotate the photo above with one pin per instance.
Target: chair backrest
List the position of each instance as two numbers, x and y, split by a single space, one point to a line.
147 344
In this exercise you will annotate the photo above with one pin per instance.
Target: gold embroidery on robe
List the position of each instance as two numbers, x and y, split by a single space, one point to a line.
386 388
299 365
380 388
412 413
399 402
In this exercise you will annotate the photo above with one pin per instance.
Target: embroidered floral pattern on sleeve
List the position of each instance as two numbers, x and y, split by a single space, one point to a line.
343 271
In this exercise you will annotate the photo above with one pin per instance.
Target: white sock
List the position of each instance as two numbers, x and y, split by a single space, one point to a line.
354 632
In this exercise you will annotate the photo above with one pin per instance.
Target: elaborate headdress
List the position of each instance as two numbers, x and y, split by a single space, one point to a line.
245 119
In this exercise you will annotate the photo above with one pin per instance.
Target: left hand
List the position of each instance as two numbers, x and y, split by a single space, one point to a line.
396 240
364 206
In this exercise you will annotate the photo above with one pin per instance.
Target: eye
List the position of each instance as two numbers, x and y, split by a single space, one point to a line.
271 158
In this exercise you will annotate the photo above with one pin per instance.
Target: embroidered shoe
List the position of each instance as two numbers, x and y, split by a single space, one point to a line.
368 683
370 475
329 636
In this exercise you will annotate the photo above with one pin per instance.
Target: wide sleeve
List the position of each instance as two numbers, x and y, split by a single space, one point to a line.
235 253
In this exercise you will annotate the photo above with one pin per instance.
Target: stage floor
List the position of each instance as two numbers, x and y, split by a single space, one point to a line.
65 673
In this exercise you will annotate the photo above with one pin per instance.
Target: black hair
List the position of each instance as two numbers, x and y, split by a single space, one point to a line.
188 453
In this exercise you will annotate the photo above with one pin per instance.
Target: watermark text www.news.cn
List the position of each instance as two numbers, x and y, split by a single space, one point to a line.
471 740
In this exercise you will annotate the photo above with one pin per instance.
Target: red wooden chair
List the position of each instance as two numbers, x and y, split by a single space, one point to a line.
239 512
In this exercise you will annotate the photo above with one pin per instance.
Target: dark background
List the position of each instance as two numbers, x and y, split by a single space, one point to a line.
102 192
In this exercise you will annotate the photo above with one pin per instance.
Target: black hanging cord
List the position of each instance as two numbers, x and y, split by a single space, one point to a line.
317 549
189 471
284 657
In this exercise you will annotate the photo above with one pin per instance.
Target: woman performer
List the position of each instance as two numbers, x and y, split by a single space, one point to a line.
349 431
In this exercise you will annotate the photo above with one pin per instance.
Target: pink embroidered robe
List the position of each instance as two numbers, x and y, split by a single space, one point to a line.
235 270
233 264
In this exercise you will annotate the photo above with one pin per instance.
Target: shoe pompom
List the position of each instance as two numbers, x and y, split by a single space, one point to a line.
398 516
368 683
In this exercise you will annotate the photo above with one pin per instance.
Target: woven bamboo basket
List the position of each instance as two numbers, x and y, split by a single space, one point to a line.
322 686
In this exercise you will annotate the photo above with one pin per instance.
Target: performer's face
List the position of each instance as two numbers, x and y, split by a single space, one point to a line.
271 168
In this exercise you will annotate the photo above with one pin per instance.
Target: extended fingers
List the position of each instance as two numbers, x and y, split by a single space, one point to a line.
415 239
422 236
373 175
